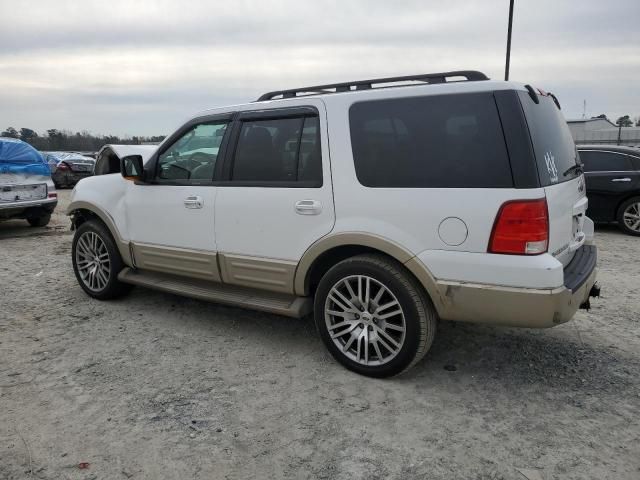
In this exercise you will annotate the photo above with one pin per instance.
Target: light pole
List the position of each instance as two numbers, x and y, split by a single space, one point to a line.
506 65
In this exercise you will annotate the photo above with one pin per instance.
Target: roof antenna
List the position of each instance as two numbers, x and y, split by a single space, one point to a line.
508 59
584 108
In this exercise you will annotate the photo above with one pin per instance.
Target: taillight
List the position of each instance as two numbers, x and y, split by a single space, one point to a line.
63 166
521 228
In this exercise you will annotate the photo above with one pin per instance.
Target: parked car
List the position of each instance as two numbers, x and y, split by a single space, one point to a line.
379 206
613 184
68 168
26 188
109 157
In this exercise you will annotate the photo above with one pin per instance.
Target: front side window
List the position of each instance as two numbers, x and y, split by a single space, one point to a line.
278 150
440 141
193 156
595 161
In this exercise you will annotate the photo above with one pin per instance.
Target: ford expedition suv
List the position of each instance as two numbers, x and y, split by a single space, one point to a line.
379 206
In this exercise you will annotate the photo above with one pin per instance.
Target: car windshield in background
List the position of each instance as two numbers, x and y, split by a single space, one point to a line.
553 144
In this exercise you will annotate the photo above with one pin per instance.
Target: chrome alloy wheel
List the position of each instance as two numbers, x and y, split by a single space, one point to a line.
365 320
92 261
632 217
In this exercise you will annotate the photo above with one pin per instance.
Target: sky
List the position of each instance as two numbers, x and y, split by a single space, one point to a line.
143 67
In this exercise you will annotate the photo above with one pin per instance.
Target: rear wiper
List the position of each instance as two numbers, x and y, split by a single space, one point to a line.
578 168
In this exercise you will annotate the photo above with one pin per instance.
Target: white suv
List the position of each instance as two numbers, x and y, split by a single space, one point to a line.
379 205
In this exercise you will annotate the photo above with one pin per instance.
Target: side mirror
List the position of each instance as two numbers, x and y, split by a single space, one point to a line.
131 167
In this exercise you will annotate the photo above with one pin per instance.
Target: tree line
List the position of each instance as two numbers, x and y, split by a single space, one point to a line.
65 140
625 121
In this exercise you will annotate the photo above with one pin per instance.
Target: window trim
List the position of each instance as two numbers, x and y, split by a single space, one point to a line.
303 112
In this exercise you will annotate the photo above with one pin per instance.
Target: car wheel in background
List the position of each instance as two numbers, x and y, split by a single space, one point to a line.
42 221
97 261
629 216
373 317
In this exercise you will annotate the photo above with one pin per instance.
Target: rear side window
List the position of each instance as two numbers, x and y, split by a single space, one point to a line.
553 144
279 150
595 161
442 141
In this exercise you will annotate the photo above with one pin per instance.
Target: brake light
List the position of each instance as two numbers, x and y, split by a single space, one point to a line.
521 228
63 166
53 195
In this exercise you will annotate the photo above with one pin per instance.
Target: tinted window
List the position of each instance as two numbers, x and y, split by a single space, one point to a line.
552 141
279 150
605 161
193 156
435 141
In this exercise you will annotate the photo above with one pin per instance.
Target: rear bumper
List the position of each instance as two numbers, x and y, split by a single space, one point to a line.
522 307
27 209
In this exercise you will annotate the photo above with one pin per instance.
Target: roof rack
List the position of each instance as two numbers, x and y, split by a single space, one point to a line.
429 78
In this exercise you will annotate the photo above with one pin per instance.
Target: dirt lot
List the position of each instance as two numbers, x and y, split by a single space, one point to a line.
156 386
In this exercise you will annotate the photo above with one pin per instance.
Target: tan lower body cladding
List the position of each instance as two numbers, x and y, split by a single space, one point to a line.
261 273
176 261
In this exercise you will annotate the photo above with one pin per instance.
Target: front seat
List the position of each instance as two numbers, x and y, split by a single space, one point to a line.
256 158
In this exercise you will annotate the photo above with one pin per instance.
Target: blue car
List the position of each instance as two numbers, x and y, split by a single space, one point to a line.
26 188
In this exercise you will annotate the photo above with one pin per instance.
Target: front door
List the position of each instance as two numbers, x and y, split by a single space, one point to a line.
171 219
277 199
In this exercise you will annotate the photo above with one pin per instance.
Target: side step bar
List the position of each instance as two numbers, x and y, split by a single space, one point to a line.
272 302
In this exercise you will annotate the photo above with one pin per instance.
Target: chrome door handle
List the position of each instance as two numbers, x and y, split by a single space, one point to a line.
308 207
625 179
194 201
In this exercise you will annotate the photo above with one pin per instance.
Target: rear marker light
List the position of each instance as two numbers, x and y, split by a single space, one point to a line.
521 228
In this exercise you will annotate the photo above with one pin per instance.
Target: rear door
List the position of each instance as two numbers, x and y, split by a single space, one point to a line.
564 185
277 196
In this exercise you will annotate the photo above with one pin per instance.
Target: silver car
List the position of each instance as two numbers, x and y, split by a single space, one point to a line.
26 188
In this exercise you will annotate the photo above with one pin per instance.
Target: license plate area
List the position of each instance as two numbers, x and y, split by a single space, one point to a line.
578 223
22 193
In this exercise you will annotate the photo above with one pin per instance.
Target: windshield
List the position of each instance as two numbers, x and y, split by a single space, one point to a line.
553 144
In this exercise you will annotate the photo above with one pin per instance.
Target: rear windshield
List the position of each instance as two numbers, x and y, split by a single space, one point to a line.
439 141
552 141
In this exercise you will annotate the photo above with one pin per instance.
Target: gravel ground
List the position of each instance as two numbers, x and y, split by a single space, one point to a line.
157 386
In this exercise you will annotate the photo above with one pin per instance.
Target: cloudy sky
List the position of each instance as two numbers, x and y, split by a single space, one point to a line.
141 67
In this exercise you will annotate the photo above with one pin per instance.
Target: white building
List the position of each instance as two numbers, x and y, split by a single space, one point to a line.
602 130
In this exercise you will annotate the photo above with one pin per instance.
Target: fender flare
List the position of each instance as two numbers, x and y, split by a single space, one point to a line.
107 219
376 242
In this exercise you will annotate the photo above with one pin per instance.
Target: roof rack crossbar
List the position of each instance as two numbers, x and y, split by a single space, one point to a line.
430 78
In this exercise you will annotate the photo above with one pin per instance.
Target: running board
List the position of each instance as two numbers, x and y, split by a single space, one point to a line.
272 302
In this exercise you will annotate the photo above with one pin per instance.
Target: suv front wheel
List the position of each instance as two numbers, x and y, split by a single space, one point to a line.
373 316
97 261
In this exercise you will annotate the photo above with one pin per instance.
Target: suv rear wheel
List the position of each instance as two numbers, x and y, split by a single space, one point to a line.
373 317
97 262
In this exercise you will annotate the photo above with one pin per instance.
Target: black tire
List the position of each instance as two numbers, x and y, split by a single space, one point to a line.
633 205
41 221
113 288
418 315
